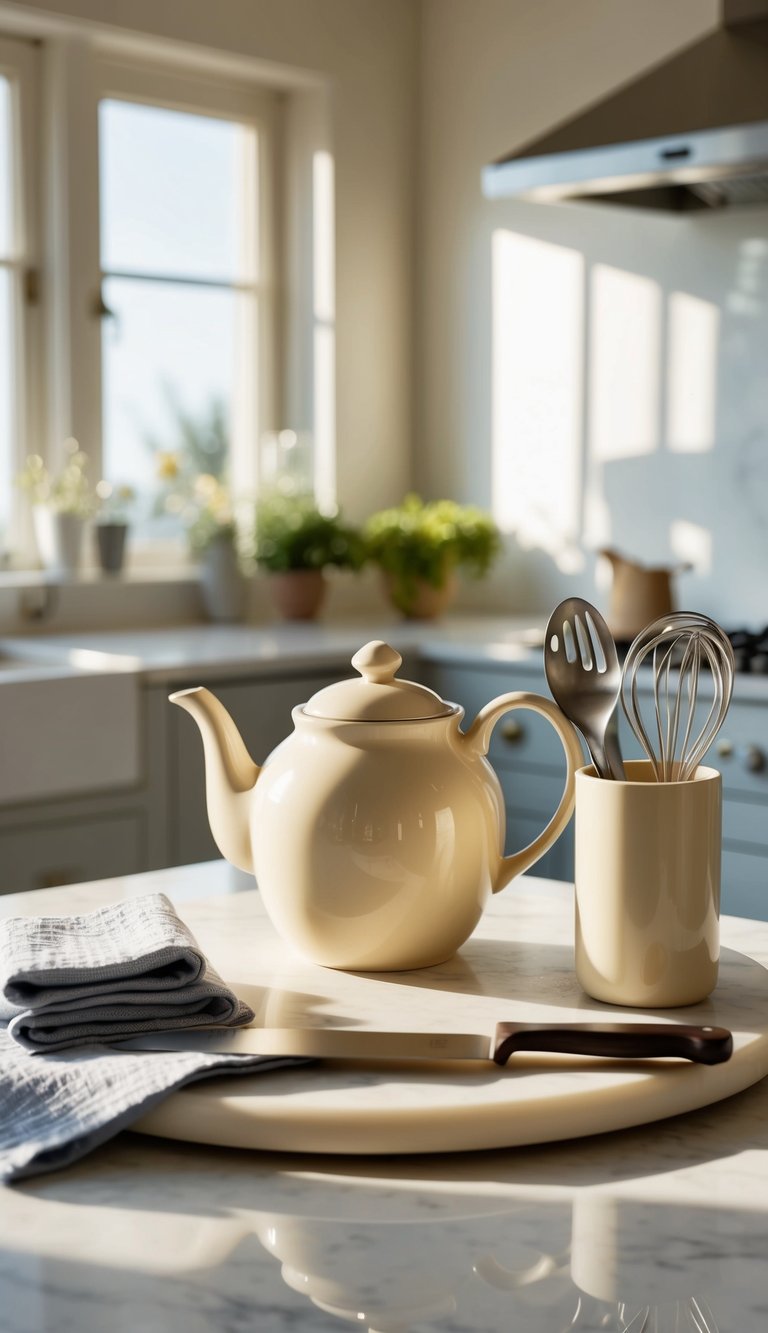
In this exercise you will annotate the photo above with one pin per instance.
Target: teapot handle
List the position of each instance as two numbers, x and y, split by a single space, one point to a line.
478 736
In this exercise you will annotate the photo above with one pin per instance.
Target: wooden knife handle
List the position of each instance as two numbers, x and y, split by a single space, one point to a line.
621 1041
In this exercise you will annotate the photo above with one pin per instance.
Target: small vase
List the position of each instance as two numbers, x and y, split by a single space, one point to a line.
418 599
298 594
59 538
221 583
110 546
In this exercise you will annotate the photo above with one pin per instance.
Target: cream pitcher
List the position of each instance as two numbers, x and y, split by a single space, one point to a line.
376 829
639 593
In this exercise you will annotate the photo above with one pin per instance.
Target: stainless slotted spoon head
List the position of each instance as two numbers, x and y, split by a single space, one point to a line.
584 677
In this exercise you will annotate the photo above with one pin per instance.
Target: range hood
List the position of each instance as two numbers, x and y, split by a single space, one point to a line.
692 133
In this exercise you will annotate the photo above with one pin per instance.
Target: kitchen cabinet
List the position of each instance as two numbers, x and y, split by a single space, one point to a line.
67 851
525 751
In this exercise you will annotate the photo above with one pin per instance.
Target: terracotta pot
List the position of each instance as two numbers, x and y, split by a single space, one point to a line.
421 600
298 594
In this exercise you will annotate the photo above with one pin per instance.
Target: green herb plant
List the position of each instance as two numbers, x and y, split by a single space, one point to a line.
418 542
291 533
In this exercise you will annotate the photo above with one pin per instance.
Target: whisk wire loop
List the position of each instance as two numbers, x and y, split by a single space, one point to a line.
677 646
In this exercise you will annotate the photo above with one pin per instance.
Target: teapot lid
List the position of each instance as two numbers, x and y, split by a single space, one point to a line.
379 696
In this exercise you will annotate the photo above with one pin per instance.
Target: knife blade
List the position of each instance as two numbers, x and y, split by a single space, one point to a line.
622 1041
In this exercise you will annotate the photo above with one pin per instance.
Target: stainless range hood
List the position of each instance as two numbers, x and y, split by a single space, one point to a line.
690 134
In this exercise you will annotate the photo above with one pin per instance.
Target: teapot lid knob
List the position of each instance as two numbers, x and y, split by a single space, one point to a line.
377 662
381 696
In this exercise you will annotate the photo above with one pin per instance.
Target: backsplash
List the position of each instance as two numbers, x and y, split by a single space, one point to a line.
647 429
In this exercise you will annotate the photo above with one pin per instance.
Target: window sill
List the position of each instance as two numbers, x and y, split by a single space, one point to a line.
20 579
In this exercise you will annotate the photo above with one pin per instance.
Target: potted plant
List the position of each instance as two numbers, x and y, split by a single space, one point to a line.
111 526
204 505
419 547
61 504
295 542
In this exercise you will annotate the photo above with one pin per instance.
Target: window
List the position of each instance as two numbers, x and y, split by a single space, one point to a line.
174 199
182 260
17 256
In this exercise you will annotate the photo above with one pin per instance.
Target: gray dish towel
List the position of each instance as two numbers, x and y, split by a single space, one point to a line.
55 1109
85 981
127 968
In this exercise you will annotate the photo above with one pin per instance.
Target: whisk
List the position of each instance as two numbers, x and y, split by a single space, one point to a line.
678 645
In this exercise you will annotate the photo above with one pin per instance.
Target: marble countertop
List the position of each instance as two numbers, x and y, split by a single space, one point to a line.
185 654
664 1227
182 652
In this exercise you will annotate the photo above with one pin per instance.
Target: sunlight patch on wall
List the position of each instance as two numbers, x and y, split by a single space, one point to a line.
538 336
625 343
693 333
692 543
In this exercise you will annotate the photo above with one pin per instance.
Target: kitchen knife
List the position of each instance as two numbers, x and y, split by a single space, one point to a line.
621 1041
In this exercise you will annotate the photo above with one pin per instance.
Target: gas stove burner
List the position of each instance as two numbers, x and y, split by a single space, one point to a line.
750 649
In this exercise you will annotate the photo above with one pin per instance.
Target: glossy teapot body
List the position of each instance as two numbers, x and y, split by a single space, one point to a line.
376 843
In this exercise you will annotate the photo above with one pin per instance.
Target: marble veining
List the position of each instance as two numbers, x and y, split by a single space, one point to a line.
666 1223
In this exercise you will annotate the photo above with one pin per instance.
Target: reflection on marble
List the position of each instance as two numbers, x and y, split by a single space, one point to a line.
172 1237
658 1229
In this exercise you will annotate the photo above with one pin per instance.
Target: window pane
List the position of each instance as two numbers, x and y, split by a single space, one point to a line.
172 192
6 406
169 380
5 166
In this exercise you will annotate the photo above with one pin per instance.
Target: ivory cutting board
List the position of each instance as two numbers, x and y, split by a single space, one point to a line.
517 965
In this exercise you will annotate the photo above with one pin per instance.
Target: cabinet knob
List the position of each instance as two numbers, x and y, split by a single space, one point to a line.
512 731
752 757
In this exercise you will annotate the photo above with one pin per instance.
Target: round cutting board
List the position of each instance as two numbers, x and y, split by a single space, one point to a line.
517 966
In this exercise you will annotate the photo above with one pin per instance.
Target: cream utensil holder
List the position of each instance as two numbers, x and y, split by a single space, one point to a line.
648 887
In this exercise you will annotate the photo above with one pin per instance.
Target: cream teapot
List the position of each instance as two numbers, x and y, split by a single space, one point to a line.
375 830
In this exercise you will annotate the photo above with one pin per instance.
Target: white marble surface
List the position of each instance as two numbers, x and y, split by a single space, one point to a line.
586 1234
189 653
184 651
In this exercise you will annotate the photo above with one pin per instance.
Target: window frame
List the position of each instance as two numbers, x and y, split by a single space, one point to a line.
20 63
150 84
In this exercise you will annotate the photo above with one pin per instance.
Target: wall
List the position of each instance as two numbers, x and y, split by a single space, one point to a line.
601 375
365 51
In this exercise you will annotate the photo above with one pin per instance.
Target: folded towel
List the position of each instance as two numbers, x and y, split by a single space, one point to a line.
56 1108
127 968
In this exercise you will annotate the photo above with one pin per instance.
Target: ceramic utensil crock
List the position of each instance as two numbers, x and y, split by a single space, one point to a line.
376 830
648 887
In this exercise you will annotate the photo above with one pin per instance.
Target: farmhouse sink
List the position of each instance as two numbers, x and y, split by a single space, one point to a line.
69 719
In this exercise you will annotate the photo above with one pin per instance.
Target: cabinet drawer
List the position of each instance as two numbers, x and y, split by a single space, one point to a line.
41 856
745 821
745 731
531 793
557 863
520 738
744 884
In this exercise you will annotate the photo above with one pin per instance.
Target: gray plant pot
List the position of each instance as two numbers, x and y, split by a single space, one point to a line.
221 583
110 545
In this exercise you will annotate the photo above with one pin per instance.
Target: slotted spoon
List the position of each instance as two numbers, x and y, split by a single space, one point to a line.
584 678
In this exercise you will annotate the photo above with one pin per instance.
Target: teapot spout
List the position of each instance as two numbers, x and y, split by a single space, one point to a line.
230 775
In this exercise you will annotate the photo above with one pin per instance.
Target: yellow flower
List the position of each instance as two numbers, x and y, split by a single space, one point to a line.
167 466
